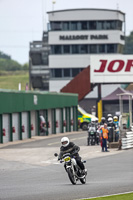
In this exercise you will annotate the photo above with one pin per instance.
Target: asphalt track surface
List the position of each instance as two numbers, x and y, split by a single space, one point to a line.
29 171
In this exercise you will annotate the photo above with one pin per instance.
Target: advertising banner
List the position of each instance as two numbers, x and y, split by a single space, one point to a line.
111 68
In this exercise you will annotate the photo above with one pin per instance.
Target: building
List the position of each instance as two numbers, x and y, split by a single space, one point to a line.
20 119
73 35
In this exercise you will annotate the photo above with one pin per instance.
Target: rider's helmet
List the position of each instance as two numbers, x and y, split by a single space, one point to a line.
110 120
109 115
115 118
103 120
93 121
65 141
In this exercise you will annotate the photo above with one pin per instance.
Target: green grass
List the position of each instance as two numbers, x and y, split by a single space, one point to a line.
115 197
12 81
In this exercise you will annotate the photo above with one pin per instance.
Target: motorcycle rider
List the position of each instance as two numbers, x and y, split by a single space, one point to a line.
111 127
70 147
109 116
92 128
103 120
116 123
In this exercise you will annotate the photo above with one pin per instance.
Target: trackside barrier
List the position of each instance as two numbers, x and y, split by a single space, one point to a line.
127 142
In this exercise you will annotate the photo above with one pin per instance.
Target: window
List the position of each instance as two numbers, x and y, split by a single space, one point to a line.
75 49
101 48
93 48
65 25
122 37
84 25
119 25
58 73
56 26
66 49
81 69
64 73
110 24
73 25
52 49
75 71
57 49
45 58
67 72
111 48
36 58
92 25
83 49
101 25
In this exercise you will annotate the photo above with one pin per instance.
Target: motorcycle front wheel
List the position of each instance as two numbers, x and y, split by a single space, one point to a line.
71 176
83 180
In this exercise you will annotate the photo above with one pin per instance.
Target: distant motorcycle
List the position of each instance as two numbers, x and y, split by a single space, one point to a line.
97 137
91 140
73 170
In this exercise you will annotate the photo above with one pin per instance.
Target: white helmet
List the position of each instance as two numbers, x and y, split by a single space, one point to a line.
110 119
93 120
65 141
109 115
115 118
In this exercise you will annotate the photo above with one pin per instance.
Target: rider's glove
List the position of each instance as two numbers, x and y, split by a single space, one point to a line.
73 153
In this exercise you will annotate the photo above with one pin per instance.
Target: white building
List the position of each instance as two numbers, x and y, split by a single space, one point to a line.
73 36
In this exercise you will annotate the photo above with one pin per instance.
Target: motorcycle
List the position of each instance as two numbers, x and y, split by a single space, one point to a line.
91 136
73 170
97 137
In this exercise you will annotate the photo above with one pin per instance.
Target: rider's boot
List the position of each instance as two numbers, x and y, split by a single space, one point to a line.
84 172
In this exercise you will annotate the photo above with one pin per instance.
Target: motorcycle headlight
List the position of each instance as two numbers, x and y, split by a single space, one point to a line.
67 159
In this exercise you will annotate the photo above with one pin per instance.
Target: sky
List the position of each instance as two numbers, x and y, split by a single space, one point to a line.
23 21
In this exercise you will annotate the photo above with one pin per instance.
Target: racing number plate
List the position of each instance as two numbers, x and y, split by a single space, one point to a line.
66 159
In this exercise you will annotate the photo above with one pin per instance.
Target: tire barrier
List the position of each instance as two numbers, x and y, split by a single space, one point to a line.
127 142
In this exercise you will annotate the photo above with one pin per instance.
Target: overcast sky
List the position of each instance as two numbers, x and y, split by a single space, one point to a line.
22 21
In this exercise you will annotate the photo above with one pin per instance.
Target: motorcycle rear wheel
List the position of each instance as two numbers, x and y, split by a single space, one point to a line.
71 176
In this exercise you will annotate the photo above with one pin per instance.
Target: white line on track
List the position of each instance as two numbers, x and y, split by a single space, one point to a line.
109 195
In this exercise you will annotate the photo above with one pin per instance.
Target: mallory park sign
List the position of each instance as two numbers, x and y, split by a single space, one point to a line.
111 69
83 37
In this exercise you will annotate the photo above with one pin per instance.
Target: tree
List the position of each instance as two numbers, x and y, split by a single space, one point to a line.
128 48
5 56
9 65
26 66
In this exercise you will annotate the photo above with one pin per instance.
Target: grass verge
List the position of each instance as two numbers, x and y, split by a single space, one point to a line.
12 81
128 196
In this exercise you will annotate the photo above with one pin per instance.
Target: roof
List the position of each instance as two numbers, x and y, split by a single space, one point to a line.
77 9
114 95
130 87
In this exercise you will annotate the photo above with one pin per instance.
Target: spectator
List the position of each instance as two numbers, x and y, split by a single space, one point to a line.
27 86
104 136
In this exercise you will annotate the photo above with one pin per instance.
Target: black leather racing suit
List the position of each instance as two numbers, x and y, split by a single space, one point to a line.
72 149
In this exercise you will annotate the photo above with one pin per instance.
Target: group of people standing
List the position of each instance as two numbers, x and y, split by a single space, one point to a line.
113 127
106 130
